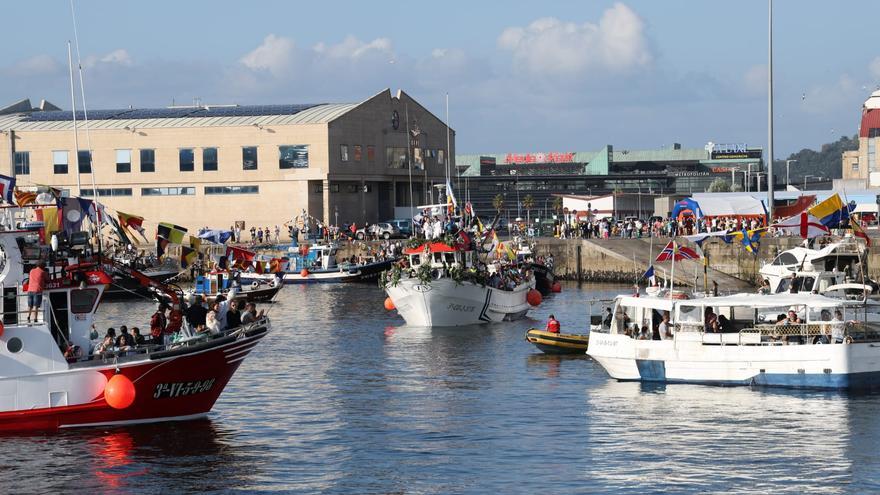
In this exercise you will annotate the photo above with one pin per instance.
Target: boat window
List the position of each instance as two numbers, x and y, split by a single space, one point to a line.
783 286
450 258
415 259
824 284
785 259
438 258
807 284
83 300
690 314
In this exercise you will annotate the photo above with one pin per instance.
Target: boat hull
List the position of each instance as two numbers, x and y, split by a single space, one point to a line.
544 278
124 287
177 384
558 343
360 274
836 366
446 303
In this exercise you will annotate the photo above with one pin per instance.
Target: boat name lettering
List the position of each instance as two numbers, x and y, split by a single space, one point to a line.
182 389
461 307
421 288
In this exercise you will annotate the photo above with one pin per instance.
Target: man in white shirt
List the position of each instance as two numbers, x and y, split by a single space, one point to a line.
664 330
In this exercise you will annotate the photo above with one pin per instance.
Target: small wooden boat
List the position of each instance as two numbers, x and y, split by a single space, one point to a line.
558 343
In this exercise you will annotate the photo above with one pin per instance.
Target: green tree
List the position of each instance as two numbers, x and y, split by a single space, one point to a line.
719 185
528 203
557 204
498 202
736 188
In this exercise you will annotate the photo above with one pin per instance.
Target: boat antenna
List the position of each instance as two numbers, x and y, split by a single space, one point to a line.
412 199
82 89
73 113
770 115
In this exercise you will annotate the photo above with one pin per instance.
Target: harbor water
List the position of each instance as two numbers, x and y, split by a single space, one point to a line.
343 398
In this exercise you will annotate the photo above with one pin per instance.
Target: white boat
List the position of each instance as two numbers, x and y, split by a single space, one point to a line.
440 289
842 257
752 350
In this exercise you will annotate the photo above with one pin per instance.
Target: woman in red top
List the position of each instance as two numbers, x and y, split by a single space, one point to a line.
553 325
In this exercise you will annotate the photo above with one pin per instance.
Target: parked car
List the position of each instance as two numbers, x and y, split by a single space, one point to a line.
404 225
382 230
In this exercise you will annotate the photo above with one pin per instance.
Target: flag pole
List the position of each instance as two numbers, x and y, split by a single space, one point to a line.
672 277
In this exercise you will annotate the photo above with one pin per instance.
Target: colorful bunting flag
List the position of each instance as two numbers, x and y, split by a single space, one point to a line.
161 246
805 225
24 198
128 221
188 256
7 188
859 232
674 252
51 223
832 212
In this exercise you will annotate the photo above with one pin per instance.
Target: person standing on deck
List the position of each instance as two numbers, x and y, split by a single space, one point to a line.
36 284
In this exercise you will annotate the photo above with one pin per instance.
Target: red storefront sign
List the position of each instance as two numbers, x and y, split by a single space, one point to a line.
551 157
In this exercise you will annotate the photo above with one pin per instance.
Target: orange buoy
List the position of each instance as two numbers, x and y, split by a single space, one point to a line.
534 297
304 273
389 304
556 287
119 392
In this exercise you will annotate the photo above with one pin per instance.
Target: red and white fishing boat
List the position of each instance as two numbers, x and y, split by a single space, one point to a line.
50 380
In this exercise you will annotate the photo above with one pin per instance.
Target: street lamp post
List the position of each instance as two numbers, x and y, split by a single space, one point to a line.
336 215
787 177
749 177
759 175
805 180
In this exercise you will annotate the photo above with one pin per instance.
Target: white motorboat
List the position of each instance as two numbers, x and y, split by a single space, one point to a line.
840 257
441 287
835 347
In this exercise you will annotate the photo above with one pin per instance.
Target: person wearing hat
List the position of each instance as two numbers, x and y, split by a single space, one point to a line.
158 322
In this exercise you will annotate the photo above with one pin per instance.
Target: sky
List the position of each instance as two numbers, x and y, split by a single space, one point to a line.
522 76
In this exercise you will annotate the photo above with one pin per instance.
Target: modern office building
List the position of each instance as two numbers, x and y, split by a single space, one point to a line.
666 172
214 165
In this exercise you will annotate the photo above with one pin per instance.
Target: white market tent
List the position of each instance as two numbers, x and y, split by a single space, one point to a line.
729 205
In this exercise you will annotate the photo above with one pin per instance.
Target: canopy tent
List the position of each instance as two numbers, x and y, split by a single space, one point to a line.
728 206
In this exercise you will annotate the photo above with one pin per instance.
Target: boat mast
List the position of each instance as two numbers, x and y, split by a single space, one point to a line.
770 115
409 163
73 107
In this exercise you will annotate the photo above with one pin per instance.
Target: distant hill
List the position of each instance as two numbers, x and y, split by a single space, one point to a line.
825 162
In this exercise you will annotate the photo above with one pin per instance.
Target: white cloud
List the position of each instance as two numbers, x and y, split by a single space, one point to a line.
617 43
119 56
352 47
274 55
874 69
755 80
37 65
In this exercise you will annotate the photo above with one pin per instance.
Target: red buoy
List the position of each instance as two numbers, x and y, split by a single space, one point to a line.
534 297
119 392
304 273
556 287
389 304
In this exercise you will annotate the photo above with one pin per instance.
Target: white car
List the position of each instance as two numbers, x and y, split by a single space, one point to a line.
382 230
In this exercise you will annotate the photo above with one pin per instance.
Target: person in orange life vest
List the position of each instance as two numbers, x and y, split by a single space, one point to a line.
553 325
36 284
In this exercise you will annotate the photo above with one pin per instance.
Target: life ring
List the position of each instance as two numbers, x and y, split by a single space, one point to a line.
255 284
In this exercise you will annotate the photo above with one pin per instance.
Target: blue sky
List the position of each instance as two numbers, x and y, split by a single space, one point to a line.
521 76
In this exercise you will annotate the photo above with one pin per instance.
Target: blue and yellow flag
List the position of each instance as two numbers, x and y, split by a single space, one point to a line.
832 212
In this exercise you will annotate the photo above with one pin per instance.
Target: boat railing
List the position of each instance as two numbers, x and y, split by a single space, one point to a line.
116 354
769 334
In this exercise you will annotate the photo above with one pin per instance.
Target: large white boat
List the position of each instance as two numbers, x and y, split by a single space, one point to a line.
441 287
51 374
840 257
834 346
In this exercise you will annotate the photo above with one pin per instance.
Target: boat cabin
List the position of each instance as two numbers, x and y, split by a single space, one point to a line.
315 257
440 256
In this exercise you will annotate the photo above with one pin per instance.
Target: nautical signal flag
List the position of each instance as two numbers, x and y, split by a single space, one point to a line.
188 256
173 233
649 274
832 212
24 198
51 222
859 232
239 254
805 225
674 252
161 246
7 187
135 222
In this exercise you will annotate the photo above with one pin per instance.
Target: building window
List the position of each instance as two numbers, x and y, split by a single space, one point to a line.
232 189
59 162
319 189
22 161
371 153
108 191
249 158
209 159
874 132
855 166
395 157
84 161
293 156
334 188
148 160
168 191
343 152
123 161
187 160
357 153
441 157
872 155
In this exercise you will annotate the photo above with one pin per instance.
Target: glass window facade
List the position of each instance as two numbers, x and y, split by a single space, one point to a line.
59 162
209 159
123 161
168 191
293 156
108 191
395 157
148 160
187 160
84 161
249 158
232 189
